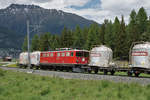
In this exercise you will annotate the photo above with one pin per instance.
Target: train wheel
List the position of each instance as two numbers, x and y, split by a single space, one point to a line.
71 69
112 72
89 70
55 68
96 71
20 66
61 69
36 67
51 68
42 67
31 67
105 72
67 69
129 73
136 74
25 67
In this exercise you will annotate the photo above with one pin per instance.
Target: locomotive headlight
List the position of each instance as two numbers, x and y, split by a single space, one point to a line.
83 59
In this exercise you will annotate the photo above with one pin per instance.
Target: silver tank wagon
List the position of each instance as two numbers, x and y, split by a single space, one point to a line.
101 56
140 56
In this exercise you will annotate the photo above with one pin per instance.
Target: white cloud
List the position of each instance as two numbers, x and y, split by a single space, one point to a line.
62 4
112 8
109 9
45 3
123 7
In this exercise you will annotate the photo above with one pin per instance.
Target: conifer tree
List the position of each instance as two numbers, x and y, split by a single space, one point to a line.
122 42
141 22
35 43
66 38
44 43
55 42
25 45
146 35
108 34
93 36
78 40
102 33
116 30
132 29
69 39
85 36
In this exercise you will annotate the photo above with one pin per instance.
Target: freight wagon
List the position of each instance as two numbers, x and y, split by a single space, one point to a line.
140 58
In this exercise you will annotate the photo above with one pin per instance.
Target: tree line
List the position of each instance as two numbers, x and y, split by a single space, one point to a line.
117 35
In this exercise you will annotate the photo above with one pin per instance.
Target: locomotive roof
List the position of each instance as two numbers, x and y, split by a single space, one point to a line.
67 50
101 48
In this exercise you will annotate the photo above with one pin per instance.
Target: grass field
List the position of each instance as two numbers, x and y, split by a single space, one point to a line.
13 65
21 86
1 64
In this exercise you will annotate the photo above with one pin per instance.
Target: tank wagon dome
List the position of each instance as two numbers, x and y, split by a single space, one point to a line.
101 48
142 46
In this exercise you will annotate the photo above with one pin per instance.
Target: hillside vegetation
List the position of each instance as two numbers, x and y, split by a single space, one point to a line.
21 86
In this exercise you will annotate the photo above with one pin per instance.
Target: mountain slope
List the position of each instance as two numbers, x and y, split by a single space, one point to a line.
13 23
14 17
9 39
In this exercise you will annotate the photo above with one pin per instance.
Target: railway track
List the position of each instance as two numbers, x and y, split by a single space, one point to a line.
84 76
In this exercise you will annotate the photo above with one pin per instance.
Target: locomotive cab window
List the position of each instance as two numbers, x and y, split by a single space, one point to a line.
58 54
86 54
82 54
62 54
79 54
44 54
51 55
47 55
67 54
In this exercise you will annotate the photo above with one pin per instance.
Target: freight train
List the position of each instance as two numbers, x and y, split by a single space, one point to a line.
99 58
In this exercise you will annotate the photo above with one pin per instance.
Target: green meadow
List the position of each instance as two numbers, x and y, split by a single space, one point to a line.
23 86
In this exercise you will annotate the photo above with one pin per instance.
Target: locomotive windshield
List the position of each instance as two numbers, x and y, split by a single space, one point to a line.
82 54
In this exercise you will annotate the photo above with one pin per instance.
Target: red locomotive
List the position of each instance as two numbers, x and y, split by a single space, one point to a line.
64 57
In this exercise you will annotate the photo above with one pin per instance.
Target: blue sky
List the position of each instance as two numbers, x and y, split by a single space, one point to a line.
96 10
95 4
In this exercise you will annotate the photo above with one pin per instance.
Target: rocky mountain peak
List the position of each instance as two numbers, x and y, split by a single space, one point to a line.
22 6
